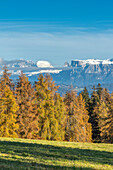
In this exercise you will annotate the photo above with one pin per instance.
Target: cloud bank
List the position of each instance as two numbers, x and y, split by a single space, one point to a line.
56 46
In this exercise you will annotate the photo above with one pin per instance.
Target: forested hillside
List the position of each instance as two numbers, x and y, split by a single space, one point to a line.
39 112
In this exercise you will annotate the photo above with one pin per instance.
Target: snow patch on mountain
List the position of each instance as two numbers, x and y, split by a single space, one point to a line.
20 63
43 71
18 72
44 64
90 62
107 62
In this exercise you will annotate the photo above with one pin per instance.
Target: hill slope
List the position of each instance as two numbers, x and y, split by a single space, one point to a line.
39 154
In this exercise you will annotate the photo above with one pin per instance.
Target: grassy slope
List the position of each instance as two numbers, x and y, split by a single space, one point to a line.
38 154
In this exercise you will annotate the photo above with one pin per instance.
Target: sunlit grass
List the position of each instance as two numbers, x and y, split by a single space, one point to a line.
40 154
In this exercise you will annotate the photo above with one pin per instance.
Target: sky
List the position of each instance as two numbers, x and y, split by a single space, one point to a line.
56 31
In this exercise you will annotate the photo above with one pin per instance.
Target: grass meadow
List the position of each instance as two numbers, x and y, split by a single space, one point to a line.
40 154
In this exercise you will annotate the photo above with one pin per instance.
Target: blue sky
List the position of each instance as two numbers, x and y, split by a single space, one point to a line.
56 31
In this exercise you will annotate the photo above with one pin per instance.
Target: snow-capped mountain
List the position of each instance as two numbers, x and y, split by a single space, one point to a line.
28 67
25 63
19 63
79 73
44 64
90 62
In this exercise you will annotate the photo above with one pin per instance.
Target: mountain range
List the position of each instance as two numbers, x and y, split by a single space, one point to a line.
79 73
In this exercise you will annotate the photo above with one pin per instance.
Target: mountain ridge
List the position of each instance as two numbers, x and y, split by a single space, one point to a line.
79 73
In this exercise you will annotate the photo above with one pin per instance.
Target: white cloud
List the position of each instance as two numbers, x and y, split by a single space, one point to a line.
56 47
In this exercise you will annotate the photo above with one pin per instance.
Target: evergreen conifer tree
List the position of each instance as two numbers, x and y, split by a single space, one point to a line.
93 116
86 98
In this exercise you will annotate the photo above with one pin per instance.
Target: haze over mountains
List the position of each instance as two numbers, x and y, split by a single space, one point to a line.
79 73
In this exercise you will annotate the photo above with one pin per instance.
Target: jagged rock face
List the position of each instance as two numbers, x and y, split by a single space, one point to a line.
92 71
83 73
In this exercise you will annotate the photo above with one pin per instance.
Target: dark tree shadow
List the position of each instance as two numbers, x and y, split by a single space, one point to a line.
26 165
53 152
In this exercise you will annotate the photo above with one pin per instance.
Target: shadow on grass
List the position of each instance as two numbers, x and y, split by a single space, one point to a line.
9 164
52 153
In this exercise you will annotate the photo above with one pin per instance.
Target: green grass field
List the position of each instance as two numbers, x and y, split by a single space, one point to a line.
40 154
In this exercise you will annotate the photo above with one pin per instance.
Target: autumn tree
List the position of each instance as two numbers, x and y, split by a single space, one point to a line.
86 126
60 115
5 79
27 115
71 123
109 121
104 110
100 111
8 107
77 127
8 110
50 108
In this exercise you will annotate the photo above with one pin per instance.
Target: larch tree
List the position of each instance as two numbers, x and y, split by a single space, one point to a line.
77 126
27 115
101 112
8 113
71 130
110 121
5 79
60 115
106 117
50 127
8 107
84 120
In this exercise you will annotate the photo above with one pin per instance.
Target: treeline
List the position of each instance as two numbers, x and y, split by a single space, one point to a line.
39 112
